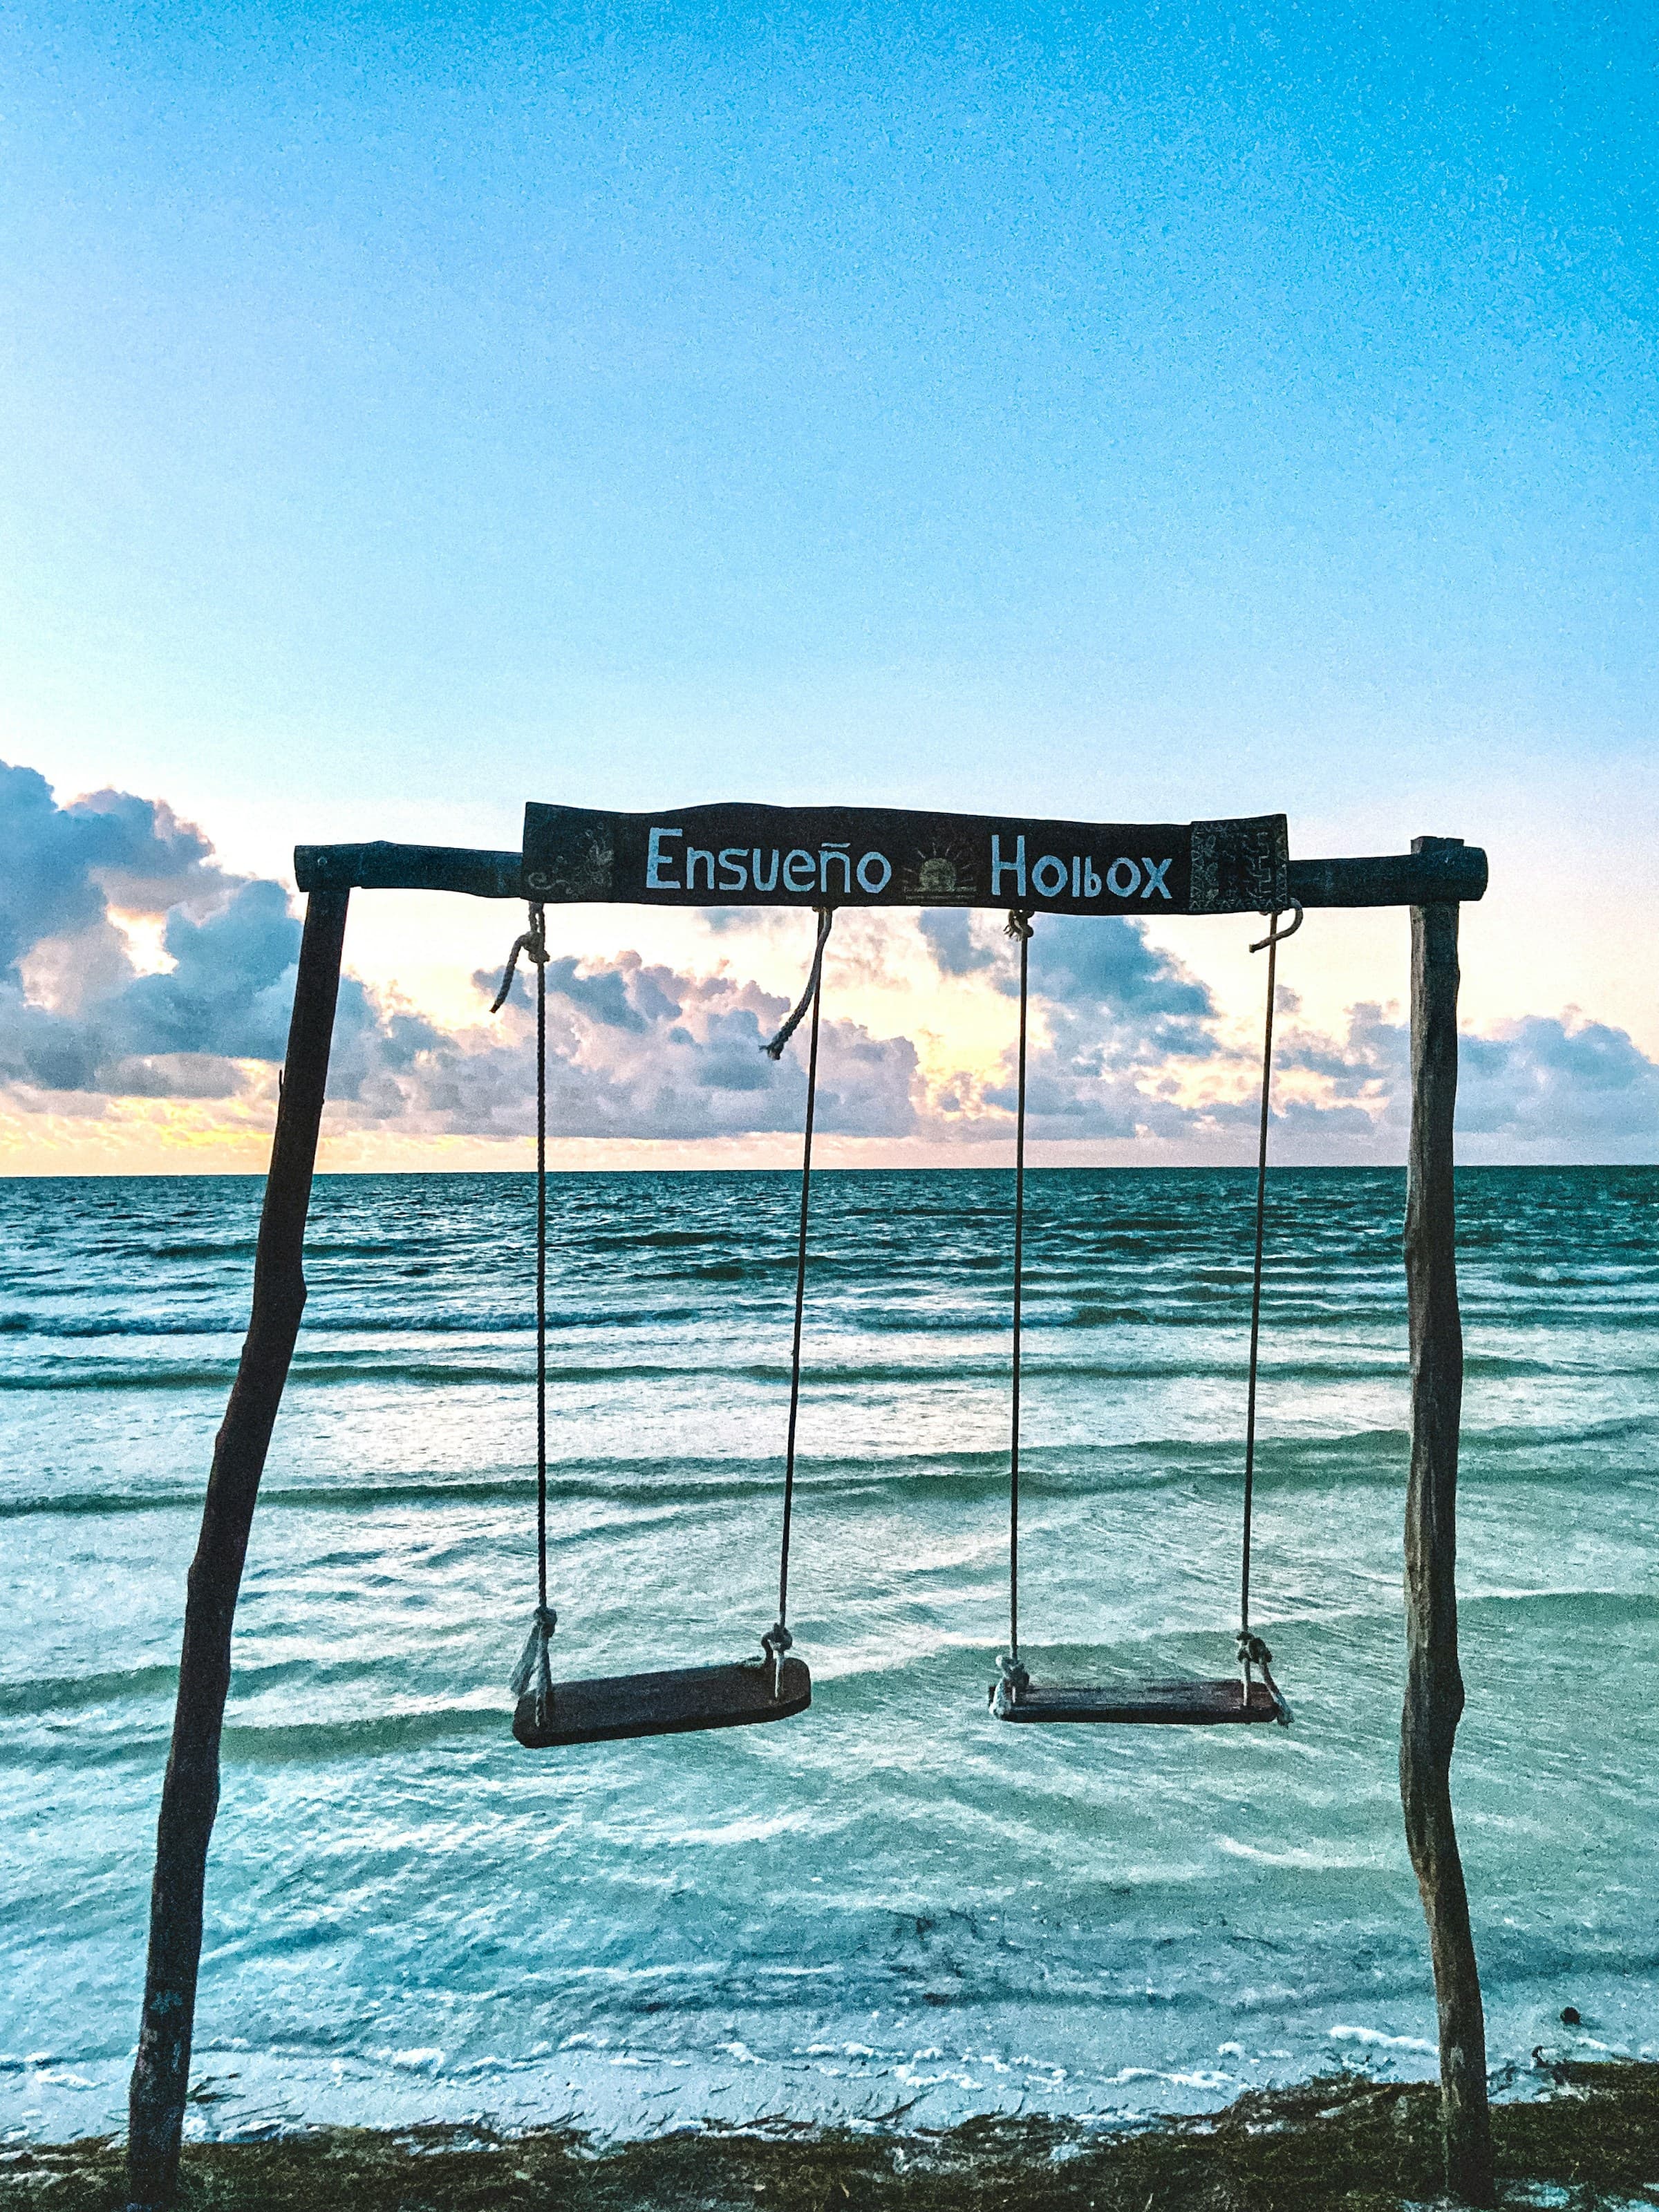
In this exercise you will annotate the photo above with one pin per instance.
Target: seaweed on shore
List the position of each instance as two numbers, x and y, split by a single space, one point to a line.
1337 2144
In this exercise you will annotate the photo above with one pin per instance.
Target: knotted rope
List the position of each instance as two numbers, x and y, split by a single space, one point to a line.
1013 1672
533 1661
532 942
1252 1651
810 995
534 1667
777 1639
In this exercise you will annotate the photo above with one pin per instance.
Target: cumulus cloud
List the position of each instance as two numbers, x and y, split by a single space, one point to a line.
958 940
1541 1079
1114 1003
1078 961
61 868
1112 1012
76 1015
1543 1086
634 1050
1127 1046
642 1050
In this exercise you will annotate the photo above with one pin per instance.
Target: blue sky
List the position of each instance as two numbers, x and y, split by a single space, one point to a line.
1119 412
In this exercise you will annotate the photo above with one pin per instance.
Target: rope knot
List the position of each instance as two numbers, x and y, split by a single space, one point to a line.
532 942
1253 1652
775 1642
533 1661
1018 923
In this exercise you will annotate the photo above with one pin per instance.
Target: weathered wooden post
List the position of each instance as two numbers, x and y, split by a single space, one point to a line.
190 1794
1434 1681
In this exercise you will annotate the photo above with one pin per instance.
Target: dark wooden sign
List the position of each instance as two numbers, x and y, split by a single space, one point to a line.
811 856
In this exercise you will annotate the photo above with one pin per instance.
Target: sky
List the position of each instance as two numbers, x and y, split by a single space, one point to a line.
1114 413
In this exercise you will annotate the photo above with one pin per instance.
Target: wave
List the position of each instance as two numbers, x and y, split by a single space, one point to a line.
934 1310
313 1370
1554 1436
134 1377
92 1504
210 1248
691 1481
1584 1607
60 1693
1504 1456
850 1682
373 1736
71 1693
491 1321
1585 1603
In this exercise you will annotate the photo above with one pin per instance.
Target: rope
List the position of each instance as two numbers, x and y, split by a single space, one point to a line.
1253 1652
534 1661
809 997
1013 1672
534 943
777 1639
1251 1649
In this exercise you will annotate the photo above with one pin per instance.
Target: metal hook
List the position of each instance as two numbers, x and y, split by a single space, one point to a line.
1275 934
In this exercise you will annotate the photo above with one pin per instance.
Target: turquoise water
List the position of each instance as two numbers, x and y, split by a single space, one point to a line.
892 1900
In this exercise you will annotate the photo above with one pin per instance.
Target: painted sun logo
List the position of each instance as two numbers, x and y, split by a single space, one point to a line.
942 876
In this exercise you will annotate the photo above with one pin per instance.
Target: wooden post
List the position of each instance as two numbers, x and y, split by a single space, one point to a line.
190 1794
1434 1681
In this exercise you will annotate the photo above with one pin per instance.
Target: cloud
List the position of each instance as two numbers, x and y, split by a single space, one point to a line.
1079 962
642 1050
1111 1012
1538 1078
1371 1061
1541 1087
61 868
634 1050
1103 970
78 1016
225 993
957 947
1128 1048
1119 1013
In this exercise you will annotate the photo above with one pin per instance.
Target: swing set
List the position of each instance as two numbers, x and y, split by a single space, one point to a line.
820 860
682 1701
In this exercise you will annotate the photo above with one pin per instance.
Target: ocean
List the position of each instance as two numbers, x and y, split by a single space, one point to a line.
892 1903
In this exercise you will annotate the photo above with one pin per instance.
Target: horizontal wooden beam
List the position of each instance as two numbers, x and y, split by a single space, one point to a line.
1454 872
383 867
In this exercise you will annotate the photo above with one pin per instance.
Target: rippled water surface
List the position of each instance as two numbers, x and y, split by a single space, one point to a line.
892 1900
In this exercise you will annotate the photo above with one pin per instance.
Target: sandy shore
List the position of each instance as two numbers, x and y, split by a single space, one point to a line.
1591 2139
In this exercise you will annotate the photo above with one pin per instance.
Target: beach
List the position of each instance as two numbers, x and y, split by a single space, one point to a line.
1585 2138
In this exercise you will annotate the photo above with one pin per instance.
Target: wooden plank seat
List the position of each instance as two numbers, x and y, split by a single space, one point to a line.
676 1701
1196 1703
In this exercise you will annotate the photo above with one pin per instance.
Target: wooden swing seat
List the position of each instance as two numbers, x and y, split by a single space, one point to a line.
677 1701
1166 1705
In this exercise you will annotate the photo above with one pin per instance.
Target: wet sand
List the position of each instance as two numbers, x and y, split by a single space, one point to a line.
1587 2137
